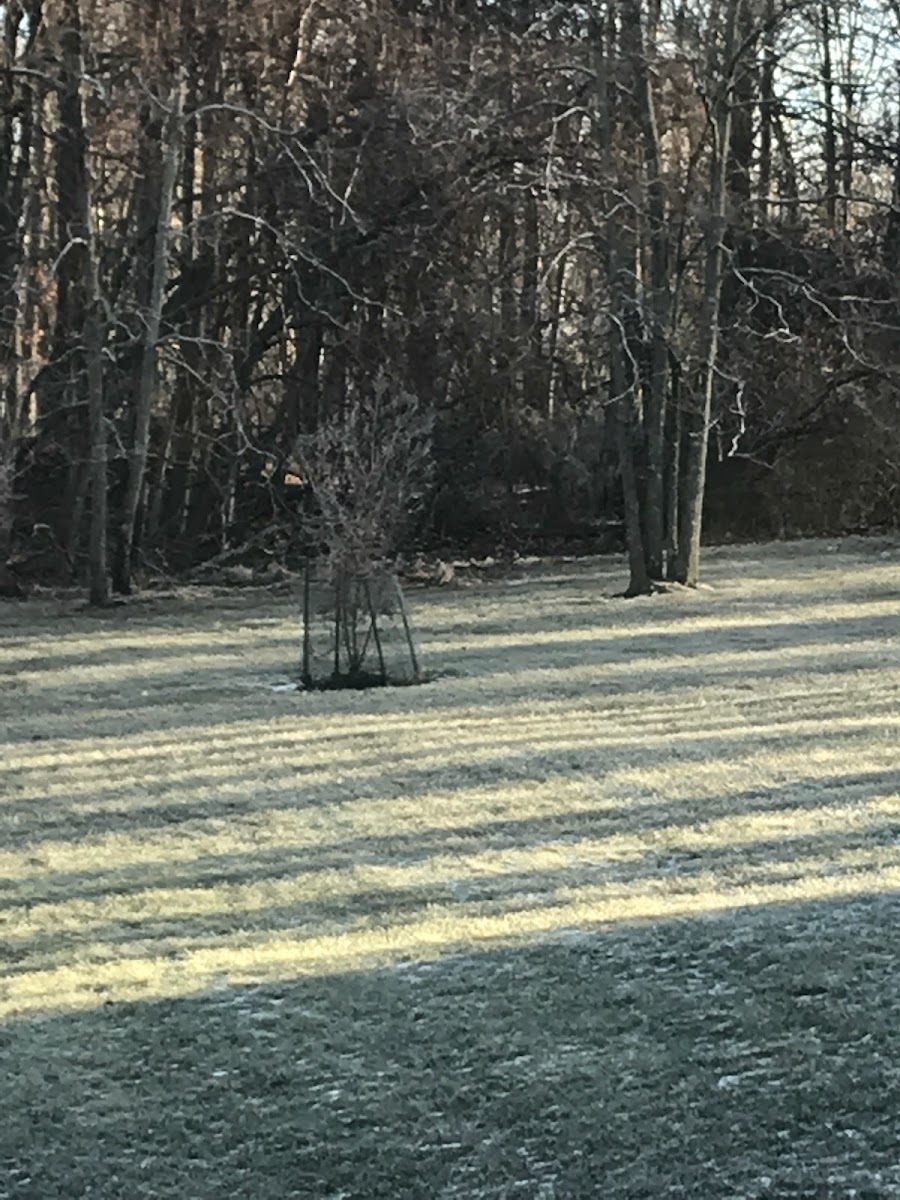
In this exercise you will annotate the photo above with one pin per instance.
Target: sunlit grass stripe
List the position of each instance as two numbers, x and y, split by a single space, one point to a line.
613 628
441 930
745 841
341 747
857 689
215 665
275 827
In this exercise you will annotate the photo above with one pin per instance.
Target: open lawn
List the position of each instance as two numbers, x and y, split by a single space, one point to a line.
608 908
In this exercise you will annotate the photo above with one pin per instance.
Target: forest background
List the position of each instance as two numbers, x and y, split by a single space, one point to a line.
633 265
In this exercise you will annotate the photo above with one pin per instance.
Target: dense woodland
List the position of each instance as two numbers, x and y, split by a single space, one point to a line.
636 263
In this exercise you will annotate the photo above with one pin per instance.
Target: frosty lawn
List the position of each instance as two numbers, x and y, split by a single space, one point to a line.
611 907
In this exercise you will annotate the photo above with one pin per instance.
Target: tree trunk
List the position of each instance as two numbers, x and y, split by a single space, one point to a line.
830 133
891 249
7 469
700 414
745 93
17 200
137 458
848 151
674 435
554 318
87 283
15 135
660 297
93 346
530 348
766 114
620 259
623 389
789 184
507 341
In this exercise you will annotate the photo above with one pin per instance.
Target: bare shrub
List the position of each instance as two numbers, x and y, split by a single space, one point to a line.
368 468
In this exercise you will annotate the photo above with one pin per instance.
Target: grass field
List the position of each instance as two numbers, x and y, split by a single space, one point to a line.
608 908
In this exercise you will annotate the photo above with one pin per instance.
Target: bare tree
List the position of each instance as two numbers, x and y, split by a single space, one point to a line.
699 414
617 324
149 369
75 174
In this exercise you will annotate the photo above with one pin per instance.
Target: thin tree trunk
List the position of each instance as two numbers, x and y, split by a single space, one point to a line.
16 124
848 152
674 434
7 469
891 249
15 133
137 458
93 345
624 409
789 184
88 285
744 96
766 114
554 319
508 348
622 376
688 563
830 134
530 337
660 299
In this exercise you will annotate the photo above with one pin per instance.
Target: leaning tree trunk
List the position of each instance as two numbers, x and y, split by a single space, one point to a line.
137 458
687 567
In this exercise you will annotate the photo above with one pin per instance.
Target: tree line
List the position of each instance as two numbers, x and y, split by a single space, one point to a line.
638 261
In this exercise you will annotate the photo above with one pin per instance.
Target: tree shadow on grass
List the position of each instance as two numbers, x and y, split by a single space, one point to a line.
752 1054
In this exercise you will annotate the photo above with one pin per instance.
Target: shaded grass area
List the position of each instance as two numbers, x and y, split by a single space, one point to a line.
608 908
754 1055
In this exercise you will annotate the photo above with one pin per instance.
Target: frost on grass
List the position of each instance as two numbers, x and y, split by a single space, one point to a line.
608 908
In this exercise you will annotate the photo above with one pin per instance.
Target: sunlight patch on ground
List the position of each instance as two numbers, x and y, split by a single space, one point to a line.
572 856
300 763
113 974
611 904
577 760
383 806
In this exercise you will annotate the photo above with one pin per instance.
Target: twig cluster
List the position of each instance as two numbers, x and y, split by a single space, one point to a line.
368 468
